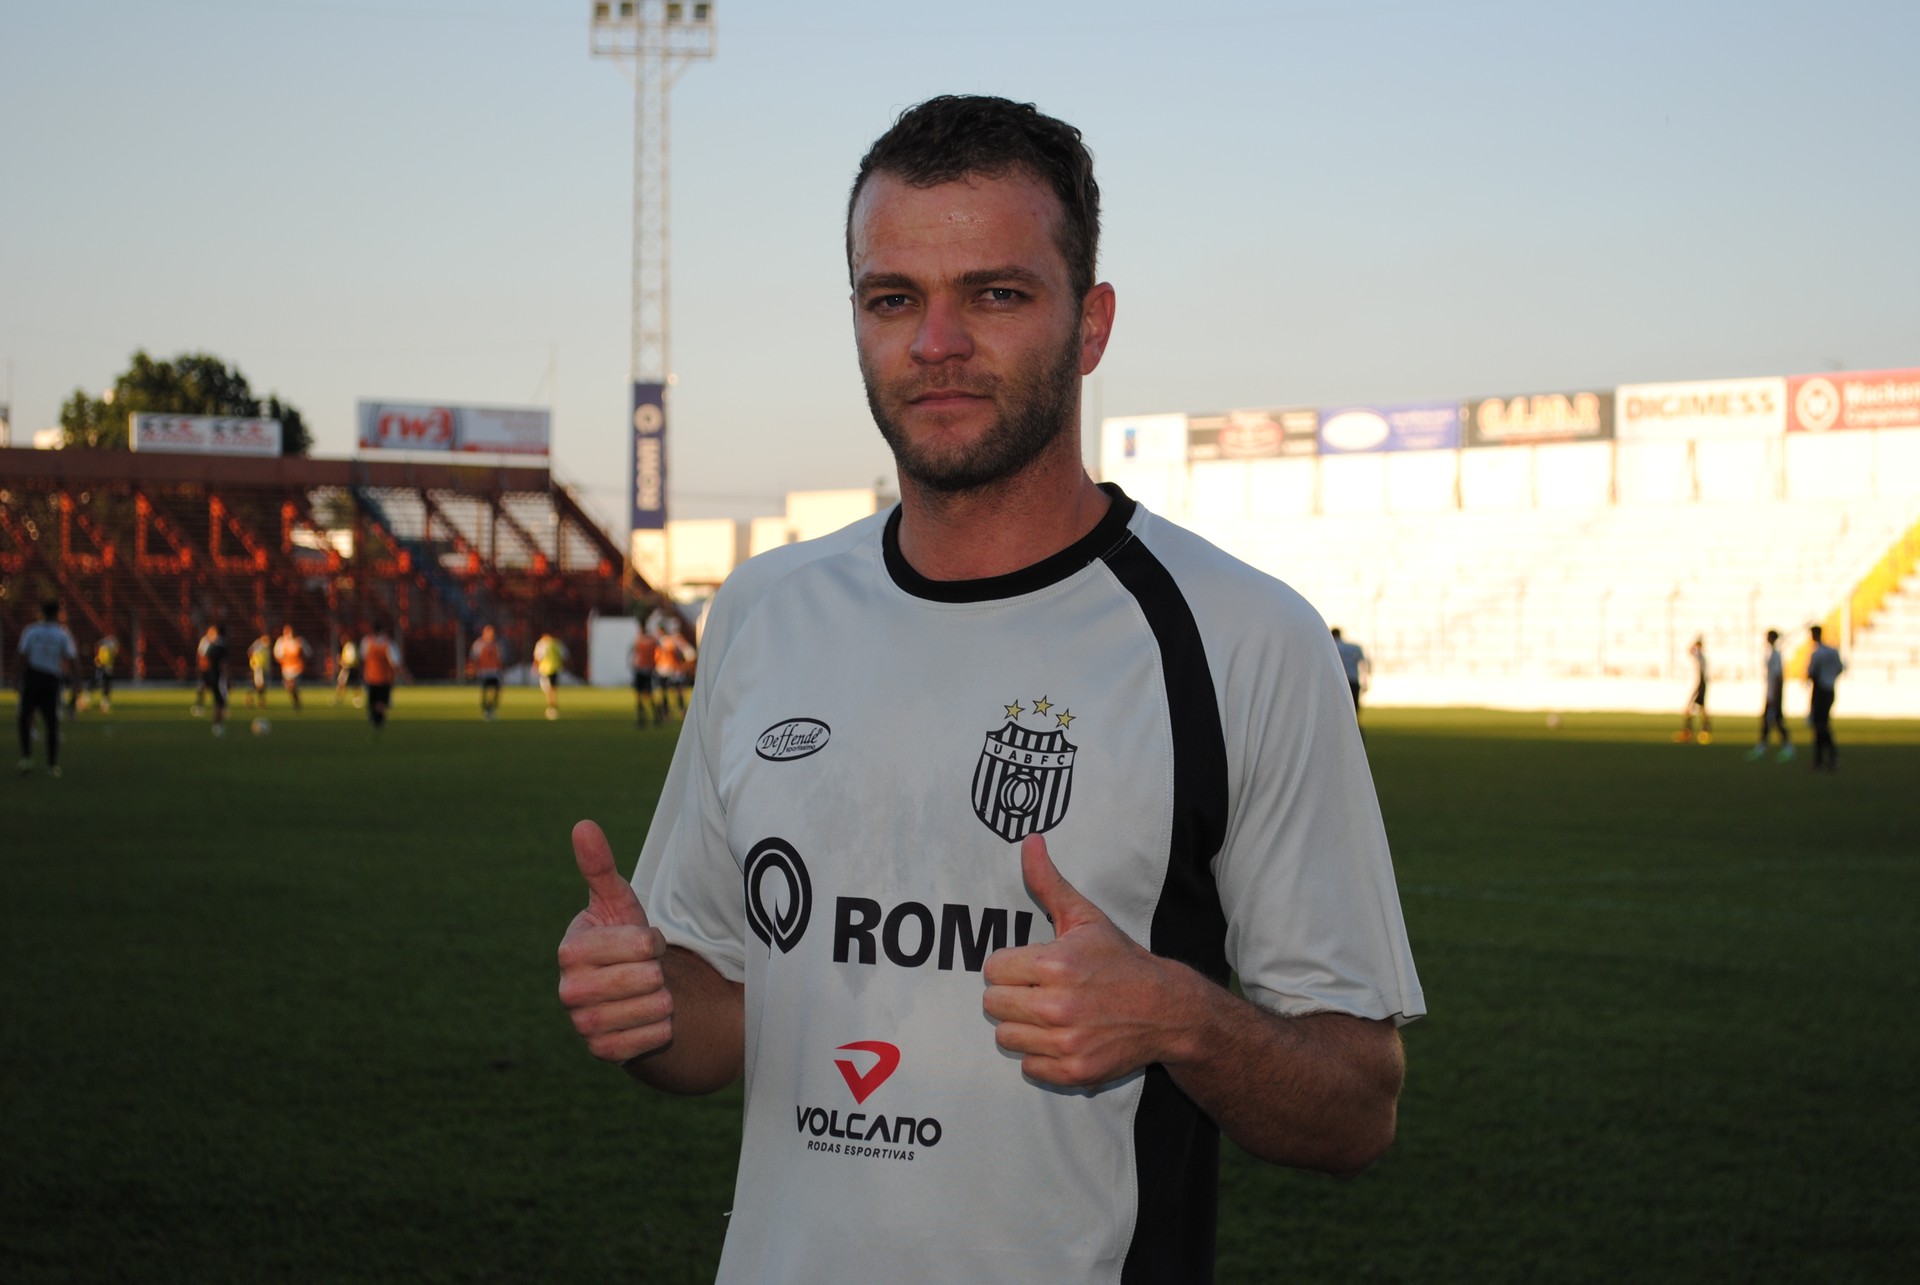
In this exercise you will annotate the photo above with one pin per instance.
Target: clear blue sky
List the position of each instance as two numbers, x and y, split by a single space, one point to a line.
1308 201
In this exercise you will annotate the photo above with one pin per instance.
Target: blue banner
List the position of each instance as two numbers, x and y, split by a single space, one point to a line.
647 486
1410 426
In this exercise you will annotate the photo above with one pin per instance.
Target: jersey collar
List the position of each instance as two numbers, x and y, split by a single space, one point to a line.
1094 545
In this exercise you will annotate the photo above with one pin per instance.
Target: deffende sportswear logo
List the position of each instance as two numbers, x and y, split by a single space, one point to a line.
794 739
777 919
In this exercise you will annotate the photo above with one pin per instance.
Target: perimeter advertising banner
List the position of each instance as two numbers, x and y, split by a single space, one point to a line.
1410 426
1711 408
1131 440
1853 399
1253 435
420 426
1583 416
647 464
206 435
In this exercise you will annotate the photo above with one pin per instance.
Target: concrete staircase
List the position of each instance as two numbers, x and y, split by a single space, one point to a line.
1888 649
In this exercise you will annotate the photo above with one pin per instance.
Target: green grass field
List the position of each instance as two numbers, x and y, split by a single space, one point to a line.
282 1008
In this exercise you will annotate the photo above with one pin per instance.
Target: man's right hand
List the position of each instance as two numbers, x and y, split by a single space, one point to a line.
611 980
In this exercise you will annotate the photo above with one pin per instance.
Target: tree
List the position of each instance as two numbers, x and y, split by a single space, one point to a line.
190 384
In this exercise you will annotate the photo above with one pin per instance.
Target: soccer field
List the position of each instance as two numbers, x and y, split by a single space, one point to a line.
281 1008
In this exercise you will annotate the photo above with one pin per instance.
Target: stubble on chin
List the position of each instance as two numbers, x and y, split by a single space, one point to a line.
1031 412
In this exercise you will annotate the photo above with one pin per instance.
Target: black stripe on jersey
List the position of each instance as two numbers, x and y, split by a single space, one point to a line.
1110 531
1176 1145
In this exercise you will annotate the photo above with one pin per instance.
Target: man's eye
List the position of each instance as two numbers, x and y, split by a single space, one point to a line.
1002 294
887 302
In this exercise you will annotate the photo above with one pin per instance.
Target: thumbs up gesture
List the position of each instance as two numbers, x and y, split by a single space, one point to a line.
611 980
1089 1006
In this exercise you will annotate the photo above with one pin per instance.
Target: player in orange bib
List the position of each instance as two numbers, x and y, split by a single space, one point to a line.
380 663
290 652
645 661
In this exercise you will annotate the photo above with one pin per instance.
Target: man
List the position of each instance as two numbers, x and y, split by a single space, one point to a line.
290 652
348 670
549 659
1353 659
1772 718
106 654
645 661
259 660
1698 700
1824 668
380 663
673 670
1017 697
47 654
483 663
203 686
213 675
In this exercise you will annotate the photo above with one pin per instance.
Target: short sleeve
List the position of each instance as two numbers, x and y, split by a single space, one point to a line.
1305 875
687 876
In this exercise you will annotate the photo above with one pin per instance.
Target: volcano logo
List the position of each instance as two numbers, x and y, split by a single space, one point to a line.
876 1075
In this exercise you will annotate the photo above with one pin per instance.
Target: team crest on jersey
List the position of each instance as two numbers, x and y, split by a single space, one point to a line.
1024 779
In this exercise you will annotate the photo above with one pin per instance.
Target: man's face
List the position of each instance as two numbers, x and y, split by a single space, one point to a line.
971 342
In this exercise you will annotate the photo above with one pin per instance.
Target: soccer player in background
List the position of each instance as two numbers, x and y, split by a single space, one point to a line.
290 652
645 660
1824 668
380 660
1353 659
259 661
213 675
483 663
1698 700
47 653
203 689
550 661
106 654
1772 717
984 799
673 670
349 670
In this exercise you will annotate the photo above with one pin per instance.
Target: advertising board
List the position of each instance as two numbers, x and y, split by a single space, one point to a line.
205 435
1253 435
1583 416
647 461
1131 440
1848 399
1409 426
1710 408
424 426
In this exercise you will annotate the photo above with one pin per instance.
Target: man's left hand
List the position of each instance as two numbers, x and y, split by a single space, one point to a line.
1089 1006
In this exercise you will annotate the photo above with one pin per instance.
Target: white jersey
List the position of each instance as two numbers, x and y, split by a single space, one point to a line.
1824 667
839 831
1352 656
45 645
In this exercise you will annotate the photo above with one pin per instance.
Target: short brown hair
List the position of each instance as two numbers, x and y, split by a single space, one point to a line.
956 136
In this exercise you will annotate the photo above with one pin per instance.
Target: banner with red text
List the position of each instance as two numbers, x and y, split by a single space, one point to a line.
418 426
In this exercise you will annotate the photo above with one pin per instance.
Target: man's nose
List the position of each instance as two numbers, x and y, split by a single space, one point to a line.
943 334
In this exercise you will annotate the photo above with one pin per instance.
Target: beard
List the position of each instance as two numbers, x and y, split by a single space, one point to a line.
1035 406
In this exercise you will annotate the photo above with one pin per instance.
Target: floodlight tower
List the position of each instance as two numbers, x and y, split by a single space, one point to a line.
654 41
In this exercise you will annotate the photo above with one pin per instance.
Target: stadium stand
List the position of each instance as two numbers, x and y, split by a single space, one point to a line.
1570 574
153 547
